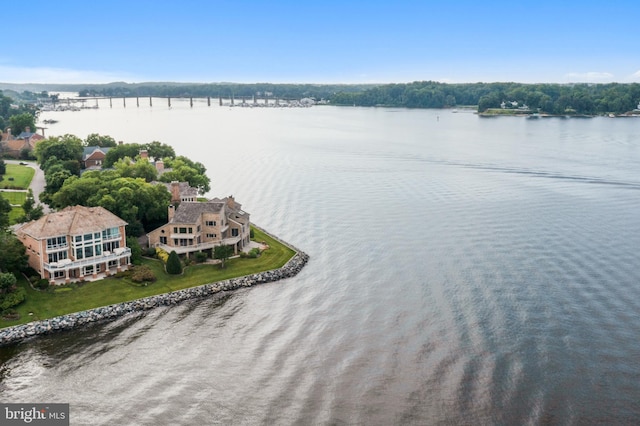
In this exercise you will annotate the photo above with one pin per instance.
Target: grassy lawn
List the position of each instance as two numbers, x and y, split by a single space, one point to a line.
21 175
14 214
74 298
14 197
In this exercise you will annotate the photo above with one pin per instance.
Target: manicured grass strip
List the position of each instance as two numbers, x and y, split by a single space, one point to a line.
14 214
21 175
112 290
16 198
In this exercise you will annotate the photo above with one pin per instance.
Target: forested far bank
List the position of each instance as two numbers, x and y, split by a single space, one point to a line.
590 99
548 98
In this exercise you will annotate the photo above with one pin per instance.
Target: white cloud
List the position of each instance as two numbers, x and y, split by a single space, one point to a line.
9 74
589 77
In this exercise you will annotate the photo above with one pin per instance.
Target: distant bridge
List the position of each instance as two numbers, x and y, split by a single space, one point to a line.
246 101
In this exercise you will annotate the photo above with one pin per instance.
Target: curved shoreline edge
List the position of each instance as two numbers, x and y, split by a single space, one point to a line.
18 333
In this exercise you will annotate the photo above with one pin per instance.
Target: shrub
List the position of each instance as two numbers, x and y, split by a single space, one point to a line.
201 257
150 252
162 254
174 267
42 284
142 274
254 252
251 233
9 300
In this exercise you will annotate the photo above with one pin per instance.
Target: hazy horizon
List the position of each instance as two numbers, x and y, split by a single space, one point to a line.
283 42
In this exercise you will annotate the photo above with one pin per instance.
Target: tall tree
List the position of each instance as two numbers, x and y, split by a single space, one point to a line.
20 122
174 266
222 253
5 209
94 139
13 256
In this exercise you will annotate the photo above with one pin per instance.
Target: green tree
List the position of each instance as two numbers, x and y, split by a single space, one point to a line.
7 282
20 122
13 257
159 150
138 169
174 266
130 150
67 147
136 250
222 252
31 211
5 209
94 139
185 170
3 167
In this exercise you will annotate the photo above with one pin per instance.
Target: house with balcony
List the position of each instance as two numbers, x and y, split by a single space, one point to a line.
200 226
76 244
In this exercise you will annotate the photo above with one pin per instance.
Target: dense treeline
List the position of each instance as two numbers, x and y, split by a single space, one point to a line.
127 188
16 114
589 99
226 90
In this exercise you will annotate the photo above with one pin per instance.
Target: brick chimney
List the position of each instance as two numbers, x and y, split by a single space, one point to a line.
144 153
160 167
231 202
172 211
175 191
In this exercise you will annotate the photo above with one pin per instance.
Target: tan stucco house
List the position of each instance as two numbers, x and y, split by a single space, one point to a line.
199 226
76 244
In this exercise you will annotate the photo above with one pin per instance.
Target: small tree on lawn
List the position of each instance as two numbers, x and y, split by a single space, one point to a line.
223 253
174 267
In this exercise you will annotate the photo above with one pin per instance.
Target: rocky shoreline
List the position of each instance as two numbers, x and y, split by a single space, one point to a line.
78 319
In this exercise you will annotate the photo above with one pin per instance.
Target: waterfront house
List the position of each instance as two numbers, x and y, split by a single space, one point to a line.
13 146
93 156
200 226
76 244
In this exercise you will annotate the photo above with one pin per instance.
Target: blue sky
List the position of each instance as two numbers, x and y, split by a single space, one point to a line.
320 42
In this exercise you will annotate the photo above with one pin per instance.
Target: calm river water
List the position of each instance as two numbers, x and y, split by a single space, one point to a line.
464 270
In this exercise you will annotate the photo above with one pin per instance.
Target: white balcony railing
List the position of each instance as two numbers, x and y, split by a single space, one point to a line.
67 264
197 247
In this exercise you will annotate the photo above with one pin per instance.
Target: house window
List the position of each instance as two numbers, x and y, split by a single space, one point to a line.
234 232
163 240
183 230
113 263
211 235
175 230
88 270
56 243
110 233
111 246
191 230
55 257
58 274
210 223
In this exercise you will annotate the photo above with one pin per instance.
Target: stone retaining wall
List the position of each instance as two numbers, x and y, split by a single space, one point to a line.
78 319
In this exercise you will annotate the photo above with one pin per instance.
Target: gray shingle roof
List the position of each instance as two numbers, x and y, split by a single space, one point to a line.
190 212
